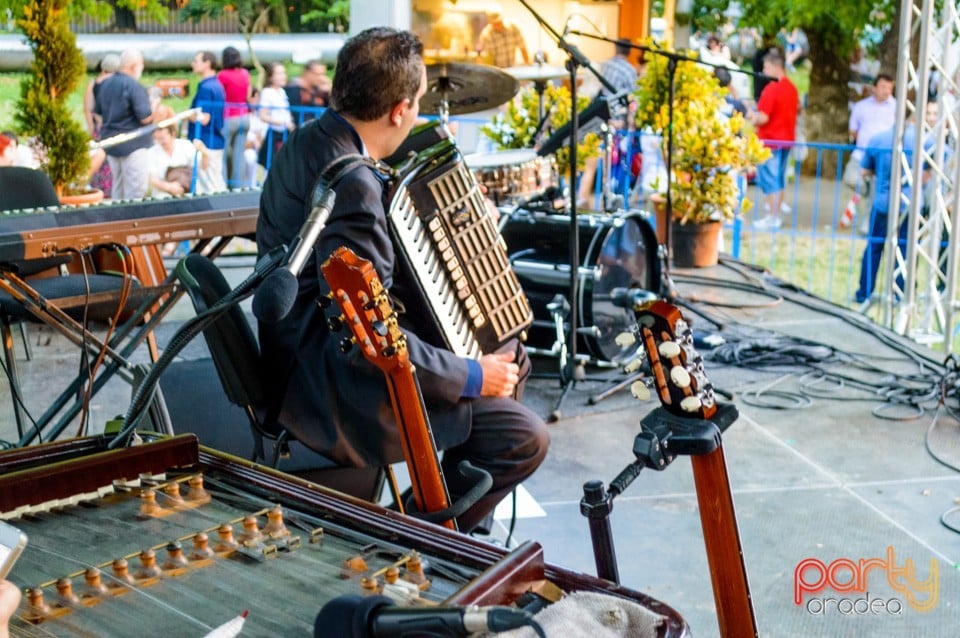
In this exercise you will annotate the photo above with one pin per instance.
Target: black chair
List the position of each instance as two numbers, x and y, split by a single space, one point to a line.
236 356
89 296
22 188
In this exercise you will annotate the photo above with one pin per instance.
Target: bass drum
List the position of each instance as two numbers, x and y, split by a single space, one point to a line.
616 251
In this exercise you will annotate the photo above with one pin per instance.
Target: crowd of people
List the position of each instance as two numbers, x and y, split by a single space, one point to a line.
226 140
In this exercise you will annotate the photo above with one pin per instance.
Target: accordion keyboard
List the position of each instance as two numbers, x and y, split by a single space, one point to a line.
460 260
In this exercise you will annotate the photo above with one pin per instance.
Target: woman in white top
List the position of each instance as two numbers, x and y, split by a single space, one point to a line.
275 112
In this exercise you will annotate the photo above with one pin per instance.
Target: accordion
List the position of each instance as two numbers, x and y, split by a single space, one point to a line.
458 260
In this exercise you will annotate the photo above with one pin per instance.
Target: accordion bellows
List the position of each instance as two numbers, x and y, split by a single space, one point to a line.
452 245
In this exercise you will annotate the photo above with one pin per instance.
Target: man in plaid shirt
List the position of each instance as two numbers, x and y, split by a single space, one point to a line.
619 71
499 42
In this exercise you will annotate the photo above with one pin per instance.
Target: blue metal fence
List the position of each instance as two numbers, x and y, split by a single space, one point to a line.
817 247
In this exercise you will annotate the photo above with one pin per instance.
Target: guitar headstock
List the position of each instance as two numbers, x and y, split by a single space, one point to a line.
366 310
677 367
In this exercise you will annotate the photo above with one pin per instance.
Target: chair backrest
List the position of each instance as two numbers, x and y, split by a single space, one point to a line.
25 188
232 344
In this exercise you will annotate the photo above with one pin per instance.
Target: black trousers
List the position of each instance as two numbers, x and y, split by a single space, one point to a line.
506 439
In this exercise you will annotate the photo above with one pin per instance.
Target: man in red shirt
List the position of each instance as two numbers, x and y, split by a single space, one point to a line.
776 121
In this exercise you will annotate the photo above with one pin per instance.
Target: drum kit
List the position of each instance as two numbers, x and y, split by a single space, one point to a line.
617 250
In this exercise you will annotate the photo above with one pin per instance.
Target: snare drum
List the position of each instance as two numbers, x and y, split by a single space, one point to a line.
616 251
512 175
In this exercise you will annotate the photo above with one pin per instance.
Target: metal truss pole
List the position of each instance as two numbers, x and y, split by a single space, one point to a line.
924 308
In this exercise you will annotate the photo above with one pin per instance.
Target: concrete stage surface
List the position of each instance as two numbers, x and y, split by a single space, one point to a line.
841 453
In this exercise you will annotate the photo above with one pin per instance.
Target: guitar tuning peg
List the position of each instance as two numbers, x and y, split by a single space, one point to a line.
346 344
379 327
633 365
625 339
335 324
668 349
324 301
680 377
639 390
389 351
690 404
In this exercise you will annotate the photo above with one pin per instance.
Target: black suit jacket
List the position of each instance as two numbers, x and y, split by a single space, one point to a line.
338 403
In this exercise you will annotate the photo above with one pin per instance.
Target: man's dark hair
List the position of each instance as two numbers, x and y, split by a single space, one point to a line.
623 47
209 57
231 58
883 76
376 70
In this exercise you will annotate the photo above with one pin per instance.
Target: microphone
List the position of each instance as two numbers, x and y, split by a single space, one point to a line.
566 26
353 616
275 296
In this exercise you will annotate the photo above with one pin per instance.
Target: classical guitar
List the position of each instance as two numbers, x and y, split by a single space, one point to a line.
684 391
367 313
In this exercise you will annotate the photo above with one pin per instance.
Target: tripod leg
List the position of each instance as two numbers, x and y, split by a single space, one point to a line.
556 414
626 383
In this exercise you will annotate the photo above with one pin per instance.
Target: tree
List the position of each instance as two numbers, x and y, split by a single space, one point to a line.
832 29
253 16
102 10
319 15
42 111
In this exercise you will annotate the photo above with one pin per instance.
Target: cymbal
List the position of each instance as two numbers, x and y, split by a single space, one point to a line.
537 72
467 88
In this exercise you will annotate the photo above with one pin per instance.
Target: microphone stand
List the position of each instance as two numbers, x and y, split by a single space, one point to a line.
570 370
667 289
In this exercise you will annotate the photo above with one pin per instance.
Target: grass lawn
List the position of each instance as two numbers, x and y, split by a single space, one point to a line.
10 94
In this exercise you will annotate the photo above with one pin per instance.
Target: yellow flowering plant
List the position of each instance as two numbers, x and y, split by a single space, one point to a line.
710 151
515 127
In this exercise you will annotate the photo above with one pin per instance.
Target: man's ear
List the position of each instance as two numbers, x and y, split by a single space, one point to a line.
396 113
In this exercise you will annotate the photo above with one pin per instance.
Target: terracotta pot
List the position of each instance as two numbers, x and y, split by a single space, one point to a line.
695 245
88 198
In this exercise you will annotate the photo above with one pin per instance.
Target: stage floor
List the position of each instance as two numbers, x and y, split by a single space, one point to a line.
819 469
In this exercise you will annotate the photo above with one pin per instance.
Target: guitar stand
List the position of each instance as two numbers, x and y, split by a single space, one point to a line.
663 437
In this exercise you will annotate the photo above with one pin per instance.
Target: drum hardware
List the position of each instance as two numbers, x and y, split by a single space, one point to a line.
617 251
572 371
513 174
455 89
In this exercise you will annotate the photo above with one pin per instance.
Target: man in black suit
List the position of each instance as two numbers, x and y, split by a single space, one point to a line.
339 404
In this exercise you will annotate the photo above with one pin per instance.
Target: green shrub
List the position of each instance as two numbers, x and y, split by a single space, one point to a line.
42 112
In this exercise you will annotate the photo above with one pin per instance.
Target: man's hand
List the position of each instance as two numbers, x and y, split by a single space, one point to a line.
500 374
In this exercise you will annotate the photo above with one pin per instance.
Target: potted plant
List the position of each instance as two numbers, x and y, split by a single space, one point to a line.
42 113
516 127
711 152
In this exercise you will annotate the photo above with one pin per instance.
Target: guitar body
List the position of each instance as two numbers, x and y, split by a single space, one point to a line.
366 311
684 391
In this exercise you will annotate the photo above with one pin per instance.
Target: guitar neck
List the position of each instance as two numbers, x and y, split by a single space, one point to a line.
721 537
416 438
